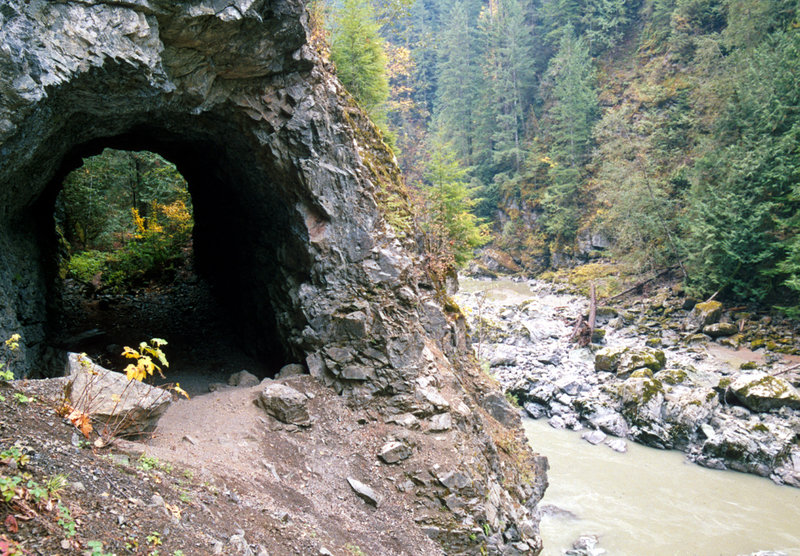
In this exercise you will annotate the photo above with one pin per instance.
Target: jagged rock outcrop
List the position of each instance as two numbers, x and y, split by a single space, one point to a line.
290 186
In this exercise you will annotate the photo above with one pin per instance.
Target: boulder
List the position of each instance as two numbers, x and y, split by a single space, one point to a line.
292 369
128 407
617 444
441 422
646 358
762 392
243 379
720 329
498 407
703 314
594 437
502 355
624 361
393 452
751 447
285 404
611 423
607 359
364 492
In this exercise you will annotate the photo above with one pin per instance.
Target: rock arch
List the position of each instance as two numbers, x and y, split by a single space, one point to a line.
287 217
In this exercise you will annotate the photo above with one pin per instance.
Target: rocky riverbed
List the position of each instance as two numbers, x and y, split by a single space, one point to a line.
663 370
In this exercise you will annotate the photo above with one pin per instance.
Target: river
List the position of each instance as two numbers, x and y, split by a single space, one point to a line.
650 502
646 501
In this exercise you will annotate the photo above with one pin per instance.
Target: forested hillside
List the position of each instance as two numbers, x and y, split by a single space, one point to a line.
659 133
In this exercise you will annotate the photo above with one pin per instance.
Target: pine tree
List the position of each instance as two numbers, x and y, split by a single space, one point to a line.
458 83
512 83
742 230
453 231
569 120
357 51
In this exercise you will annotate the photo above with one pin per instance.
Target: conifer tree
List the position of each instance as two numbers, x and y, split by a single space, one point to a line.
458 83
357 51
569 118
452 229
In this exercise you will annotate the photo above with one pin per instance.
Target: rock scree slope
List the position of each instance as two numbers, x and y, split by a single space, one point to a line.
290 184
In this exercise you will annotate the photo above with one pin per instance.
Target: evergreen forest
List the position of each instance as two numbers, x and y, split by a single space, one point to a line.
655 133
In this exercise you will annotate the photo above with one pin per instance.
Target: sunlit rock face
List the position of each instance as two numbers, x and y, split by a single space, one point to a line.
287 221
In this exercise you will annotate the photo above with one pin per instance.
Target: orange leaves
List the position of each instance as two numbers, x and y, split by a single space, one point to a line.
11 524
79 419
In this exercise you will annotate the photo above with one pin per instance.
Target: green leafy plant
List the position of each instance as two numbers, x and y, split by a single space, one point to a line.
149 463
154 538
96 549
66 521
22 398
9 354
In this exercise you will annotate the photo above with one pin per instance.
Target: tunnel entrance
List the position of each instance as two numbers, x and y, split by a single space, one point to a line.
302 229
127 272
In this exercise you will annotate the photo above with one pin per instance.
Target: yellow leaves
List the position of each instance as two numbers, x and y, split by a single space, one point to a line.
13 342
144 365
138 221
178 390
549 161
174 510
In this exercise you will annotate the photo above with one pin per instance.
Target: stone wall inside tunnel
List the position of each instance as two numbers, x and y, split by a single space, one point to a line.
286 210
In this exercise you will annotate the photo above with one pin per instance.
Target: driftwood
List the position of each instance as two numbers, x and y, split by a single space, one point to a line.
641 284
787 370
584 327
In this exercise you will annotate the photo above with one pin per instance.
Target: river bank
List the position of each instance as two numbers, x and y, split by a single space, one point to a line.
718 385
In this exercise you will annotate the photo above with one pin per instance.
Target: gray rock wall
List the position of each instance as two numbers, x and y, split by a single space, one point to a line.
286 213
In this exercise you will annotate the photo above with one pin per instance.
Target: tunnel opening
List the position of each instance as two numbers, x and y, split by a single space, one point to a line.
107 291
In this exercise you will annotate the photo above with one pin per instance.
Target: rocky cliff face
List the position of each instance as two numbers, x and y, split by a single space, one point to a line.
288 181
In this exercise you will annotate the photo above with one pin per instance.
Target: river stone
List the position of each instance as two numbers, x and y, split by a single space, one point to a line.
608 358
703 314
643 397
611 423
585 545
557 422
763 392
285 404
624 361
720 329
594 437
393 452
633 359
617 444
535 410
501 355
751 447
128 407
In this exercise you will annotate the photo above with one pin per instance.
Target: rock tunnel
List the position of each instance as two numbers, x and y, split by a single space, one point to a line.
287 219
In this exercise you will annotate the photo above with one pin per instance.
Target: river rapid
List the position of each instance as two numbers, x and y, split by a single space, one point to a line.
623 498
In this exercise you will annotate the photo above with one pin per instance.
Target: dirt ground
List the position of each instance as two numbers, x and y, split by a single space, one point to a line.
220 476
